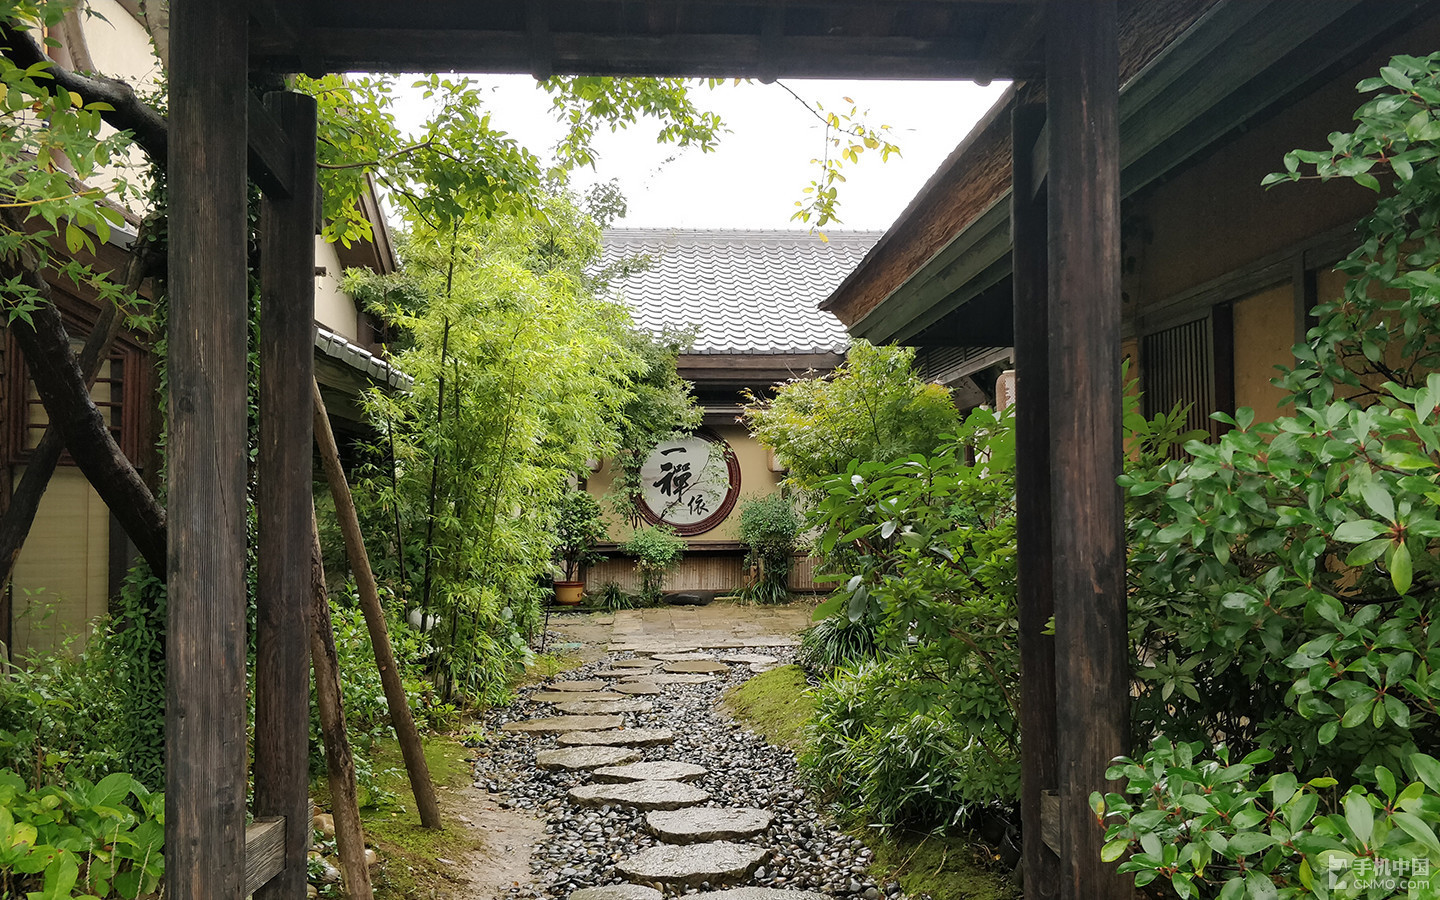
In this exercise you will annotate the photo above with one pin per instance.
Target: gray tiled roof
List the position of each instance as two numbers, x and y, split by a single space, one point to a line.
361 360
749 291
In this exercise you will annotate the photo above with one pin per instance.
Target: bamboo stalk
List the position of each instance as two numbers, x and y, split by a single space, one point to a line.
400 717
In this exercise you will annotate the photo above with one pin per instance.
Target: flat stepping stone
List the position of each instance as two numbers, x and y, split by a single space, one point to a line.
572 696
640 795
639 688
632 664
605 707
696 667
563 724
682 657
707 823
762 668
751 659
659 770
574 686
618 892
625 737
621 673
575 759
688 678
754 893
694 864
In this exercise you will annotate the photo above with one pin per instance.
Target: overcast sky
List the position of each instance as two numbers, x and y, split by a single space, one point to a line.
759 170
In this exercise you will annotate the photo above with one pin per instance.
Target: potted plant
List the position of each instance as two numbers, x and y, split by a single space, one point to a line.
578 529
656 550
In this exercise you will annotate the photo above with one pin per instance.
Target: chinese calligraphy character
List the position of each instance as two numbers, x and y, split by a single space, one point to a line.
676 478
698 506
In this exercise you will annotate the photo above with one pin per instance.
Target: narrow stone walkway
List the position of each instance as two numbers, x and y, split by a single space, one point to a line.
658 795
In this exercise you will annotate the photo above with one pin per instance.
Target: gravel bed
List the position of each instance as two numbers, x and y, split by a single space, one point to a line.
583 846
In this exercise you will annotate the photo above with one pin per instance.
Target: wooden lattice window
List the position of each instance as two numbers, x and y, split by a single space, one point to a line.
1193 365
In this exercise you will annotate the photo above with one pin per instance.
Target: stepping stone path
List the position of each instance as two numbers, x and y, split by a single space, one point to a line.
660 770
580 758
574 686
696 667
707 823
638 688
562 724
698 846
688 678
640 794
604 707
628 737
716 862
573 696
618 892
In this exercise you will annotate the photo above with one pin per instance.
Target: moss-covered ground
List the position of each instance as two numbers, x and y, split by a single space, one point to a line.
944 867
775 704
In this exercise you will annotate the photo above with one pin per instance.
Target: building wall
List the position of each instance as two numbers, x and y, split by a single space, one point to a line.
716 560
334 308
1264 333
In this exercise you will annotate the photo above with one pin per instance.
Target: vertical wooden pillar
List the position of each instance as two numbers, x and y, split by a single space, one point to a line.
287 354
205 650
1092 671
1032 494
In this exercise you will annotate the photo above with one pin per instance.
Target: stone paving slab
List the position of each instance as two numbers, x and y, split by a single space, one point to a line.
707 823
646 663
717 862
620 673
749 658
638 688
695 667
572 696
625 737
682 657
563 724
617 892
640 794
605 707
576 686
754 893
674 679
659 770
586 757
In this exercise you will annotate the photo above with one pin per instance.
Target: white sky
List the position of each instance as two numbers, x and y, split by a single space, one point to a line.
760 169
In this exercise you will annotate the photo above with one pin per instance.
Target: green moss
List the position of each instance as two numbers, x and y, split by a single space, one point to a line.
945 867
776 705
408 869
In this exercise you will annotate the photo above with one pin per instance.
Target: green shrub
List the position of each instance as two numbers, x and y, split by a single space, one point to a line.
578 528
835 642
93 840
769 527
657 551
612 596
891 746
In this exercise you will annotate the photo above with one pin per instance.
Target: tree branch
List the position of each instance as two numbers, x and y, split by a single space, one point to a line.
129 113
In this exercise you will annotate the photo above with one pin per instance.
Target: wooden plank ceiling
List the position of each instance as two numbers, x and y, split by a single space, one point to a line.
764 39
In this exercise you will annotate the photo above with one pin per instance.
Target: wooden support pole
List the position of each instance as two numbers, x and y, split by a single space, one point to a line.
1088 542
400 718
205 709
1036 599
344 795
283 502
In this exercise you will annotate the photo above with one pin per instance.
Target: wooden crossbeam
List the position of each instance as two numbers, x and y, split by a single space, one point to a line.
271 156
264 852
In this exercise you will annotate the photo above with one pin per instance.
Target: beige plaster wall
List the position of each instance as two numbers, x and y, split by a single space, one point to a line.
333 307
1264 333
61 578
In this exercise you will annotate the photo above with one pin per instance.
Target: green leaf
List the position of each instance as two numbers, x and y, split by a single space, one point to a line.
1416 828
1379 501
1113 850
1248 842
1358 530
1400 570
1360 817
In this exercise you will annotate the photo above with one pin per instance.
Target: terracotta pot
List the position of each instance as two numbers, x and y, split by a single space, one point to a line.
569 593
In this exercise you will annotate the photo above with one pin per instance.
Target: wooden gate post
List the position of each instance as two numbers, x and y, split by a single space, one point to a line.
1092 669
287 356
205 649
1032 496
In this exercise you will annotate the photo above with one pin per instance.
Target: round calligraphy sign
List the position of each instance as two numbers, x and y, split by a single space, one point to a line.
689 483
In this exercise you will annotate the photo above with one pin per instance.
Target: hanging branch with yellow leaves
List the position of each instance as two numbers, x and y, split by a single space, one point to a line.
848 134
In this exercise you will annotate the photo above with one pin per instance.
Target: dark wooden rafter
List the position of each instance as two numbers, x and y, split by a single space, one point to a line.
1087 530
283 502
205 703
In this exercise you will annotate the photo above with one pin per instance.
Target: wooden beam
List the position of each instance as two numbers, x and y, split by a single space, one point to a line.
271 153
265 854
283 502
1034 552
1092 663
205 710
